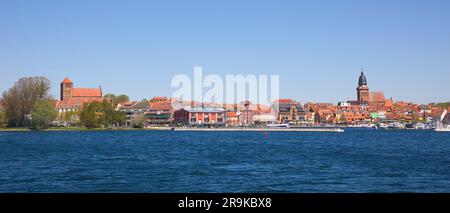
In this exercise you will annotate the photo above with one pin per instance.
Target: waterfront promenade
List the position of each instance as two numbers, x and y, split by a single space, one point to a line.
306 129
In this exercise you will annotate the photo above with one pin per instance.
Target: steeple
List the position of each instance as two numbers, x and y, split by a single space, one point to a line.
362 79
362 89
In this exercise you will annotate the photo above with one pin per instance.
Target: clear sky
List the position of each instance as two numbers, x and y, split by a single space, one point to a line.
317 47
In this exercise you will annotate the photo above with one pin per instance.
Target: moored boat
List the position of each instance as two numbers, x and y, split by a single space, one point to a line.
442 126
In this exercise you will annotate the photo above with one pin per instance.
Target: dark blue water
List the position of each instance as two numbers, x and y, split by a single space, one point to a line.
165 161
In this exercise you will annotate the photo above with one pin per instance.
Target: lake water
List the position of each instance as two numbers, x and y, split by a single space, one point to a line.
166 161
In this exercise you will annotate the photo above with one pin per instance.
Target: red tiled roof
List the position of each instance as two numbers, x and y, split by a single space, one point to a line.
159 99
86 92
376 97
76 103
166 106
128 105
231 114
66 81
284 100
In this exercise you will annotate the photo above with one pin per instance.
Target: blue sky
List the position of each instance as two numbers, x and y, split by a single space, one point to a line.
317 47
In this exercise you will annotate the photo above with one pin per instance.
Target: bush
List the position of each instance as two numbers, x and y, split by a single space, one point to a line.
139 121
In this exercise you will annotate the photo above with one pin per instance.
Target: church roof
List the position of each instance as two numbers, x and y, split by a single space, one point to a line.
376 97
87 92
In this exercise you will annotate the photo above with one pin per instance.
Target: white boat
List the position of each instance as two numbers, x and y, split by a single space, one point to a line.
384 126
396 125
370 126
278 125
440 126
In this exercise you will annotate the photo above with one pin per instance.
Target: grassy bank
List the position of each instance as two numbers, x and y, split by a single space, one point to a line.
23 129
18 129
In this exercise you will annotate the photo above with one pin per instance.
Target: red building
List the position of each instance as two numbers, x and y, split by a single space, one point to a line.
200 116
160 112
72 98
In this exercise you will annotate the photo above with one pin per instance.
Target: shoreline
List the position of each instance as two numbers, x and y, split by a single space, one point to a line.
222 129
234 129
306 129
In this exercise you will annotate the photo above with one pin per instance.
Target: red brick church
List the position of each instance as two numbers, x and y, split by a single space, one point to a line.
72 98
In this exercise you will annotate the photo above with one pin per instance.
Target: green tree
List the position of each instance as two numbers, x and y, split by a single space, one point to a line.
110 96
71 117
117 99
108 110
21 98
443 105
91 116
139 121
43 114
122 99
96 114
119 118
145 101
3 120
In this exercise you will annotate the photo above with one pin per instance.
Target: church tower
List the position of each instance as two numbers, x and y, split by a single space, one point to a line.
362 89
66 89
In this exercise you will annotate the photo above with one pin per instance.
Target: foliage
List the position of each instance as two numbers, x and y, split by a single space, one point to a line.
110 96
91 115
139 121
3 120
119 118
117 99
145 101
96 114
70 117
43 114
122 99
441 105
21 98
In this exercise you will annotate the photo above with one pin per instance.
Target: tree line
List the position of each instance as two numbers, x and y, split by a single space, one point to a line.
28 104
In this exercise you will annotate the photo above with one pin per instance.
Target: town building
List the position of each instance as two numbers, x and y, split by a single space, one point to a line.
206 117
263 117
133 109
232 118
160 113
288 111
72 99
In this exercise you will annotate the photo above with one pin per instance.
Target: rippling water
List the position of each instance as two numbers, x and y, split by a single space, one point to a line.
165 161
